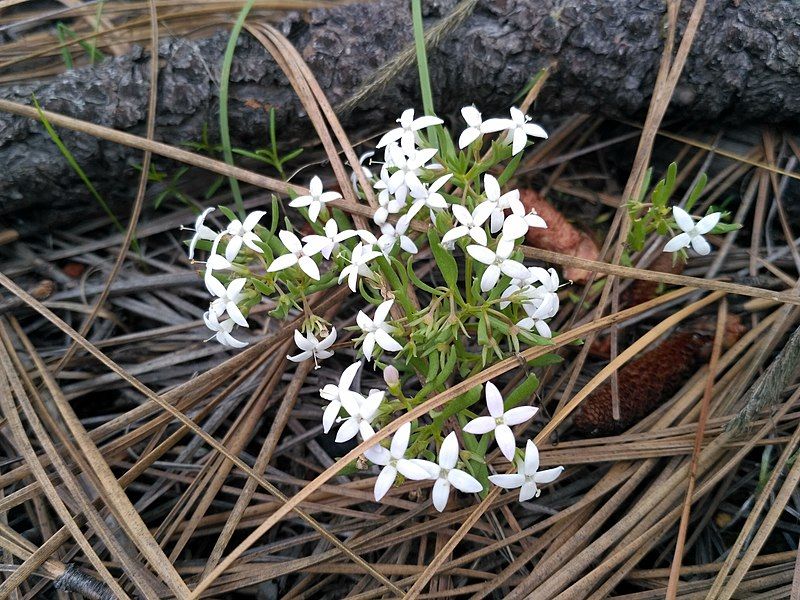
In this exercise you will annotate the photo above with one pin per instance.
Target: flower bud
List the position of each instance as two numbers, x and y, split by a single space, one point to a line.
392 378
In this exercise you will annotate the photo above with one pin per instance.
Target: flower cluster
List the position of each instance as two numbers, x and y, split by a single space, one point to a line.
433 320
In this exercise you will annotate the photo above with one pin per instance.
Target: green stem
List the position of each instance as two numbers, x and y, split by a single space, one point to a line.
224 130
422 57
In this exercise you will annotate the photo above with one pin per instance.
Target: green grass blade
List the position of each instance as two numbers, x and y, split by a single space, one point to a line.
422 57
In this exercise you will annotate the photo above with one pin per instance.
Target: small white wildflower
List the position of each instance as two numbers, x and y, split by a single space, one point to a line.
391 234
334 394
201 231
471 224
548 279
361 411
518 127
377 330
242 233
537 312
428 197
409 165
312 347
388 203
227 298
498 262
299 254
329 242
500 202
500 421
222 330
367 172
405 134
474 122
528 475
315 199
692 232
446 475
393 462
362 254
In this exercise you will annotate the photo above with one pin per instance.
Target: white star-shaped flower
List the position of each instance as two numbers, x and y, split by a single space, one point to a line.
528 475
498 262
391 234
428 196
500 421
299 254
548 279
388 203
500 202
377 330
409 165
518 127
227 299
316 198
242 233
201 231
312 347
542 305
222 330
471 224
692 232
334 393
367 172
446 475
361 411
474 123
393 462
359 266
405 134
329 242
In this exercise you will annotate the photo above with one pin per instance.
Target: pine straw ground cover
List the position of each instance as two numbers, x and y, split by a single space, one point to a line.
140 461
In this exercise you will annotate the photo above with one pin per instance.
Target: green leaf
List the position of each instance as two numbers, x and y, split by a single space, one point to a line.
546 360
228 212
522 392
416 280
696 192
444 260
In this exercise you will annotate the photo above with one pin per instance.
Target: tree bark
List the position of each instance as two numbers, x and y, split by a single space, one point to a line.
744 65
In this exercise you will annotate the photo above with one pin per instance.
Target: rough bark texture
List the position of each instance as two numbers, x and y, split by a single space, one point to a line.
745 64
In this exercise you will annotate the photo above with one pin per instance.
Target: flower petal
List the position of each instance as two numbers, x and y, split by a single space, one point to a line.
535 130
494 401
252 219
531 458
700 245
236 314
378 455
491 187
481 253
426 121
471 115
494 125
440 494
214 286
387 342
309 267
682 218
400 441
527 491
707 223
469 135
411 470
330 414
448 453
505 441
490 277
233 247
346 380
290 241
464 481
480 425
514 227
679 241
282 262
548 475
519 141
508 481
520 414
384 481
347 431
383 311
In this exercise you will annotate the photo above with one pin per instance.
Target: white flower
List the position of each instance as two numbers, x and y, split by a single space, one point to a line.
335 393
315 199
516 225
500 421
518 127
540 309
447 475
361 412
408 125
534 274
227 298
222 330
299 254
201 231
393 462
242 233
500 202
527 476
329 242
497 262
409 164
471 224
692 232
358 266
388 203
474 121
313 348
428 196
365 170
391 234
377 330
